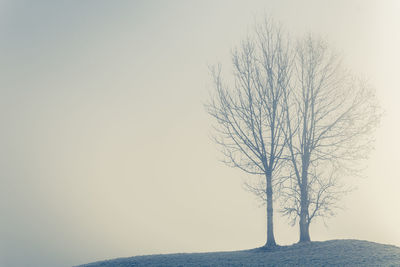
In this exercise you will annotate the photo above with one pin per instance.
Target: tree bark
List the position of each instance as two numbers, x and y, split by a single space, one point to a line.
270 216
304 227
303 222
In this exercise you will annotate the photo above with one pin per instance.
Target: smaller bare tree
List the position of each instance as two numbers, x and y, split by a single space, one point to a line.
329 119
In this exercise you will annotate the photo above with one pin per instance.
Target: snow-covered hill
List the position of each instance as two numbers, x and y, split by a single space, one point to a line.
327 253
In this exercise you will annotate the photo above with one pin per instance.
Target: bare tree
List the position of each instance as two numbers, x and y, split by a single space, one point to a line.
249 112
328 123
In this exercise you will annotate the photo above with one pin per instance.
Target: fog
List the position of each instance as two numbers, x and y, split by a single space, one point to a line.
105 143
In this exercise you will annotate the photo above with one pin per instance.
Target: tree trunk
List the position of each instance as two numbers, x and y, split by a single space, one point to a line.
303 222
270 216
304 230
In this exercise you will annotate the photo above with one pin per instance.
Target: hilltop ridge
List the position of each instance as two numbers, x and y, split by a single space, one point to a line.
346 252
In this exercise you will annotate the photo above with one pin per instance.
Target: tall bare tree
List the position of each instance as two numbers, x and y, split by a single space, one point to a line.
328 123
248 111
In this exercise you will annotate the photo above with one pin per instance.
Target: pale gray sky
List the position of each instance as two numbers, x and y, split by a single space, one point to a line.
105 148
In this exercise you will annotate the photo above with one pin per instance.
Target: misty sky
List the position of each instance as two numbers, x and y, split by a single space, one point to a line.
105 143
